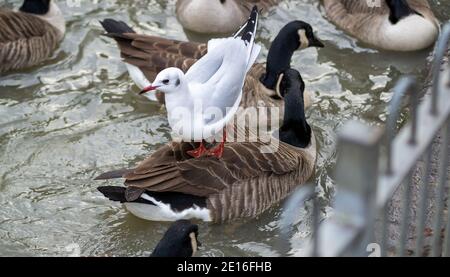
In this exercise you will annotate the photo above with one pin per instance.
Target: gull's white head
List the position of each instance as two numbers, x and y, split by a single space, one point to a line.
167 81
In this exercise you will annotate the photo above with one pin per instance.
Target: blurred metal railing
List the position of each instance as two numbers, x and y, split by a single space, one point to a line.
376 163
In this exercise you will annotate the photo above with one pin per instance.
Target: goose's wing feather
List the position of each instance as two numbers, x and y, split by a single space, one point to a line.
25 40
339 8
171 169
355 16
356 7
152 54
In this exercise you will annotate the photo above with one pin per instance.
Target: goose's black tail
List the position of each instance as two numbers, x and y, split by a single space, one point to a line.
115 29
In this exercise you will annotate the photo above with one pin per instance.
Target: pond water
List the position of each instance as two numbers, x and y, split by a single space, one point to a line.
78 115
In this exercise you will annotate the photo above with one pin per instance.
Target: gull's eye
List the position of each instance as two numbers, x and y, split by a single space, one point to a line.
165 82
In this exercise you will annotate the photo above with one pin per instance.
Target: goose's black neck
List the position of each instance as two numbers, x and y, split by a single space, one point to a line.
398 10
39 7
295 130
279 57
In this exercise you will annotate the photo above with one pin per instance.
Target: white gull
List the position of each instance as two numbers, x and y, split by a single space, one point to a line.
201 102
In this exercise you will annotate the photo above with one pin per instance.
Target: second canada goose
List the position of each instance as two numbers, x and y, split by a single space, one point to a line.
31 35
146 55
171 185
180 240
398 25
217 16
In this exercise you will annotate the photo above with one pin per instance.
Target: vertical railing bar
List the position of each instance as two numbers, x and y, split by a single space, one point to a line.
413 115
447 231
437 249
440 51
406 214
315 225
446 252
359 147
423 203
384 230
404 85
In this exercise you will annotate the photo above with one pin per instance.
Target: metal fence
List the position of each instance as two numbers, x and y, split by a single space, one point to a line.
392 194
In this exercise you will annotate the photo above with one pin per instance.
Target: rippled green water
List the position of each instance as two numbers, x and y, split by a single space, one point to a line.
65 122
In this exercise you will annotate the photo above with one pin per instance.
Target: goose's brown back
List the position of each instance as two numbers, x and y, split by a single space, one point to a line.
152 54
25 40
243 183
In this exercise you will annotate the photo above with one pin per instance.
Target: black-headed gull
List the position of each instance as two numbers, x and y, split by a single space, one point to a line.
201 102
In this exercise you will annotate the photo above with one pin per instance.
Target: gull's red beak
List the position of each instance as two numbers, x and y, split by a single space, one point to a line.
149 88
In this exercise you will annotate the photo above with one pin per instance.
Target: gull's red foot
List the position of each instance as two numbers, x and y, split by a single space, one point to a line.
198 152
216 152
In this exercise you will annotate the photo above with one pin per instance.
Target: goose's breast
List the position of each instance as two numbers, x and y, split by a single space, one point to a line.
411 33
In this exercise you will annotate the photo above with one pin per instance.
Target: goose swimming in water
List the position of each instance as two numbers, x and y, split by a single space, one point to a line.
171 185
217 16
31 35
398 25
146 55
180 240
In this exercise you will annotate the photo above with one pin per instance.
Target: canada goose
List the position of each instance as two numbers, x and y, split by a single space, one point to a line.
180 240
398 25
30 35
217 16
171 185
146 55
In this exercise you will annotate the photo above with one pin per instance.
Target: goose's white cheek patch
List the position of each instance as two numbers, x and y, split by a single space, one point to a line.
304 42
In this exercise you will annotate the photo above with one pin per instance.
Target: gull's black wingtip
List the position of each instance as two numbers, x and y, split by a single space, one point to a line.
250 27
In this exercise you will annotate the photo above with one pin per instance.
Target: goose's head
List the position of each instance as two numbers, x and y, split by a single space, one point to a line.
48 11
167 81
291 84
295 35
300 34
180 240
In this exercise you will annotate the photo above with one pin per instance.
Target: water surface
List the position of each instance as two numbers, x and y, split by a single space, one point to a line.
78 115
